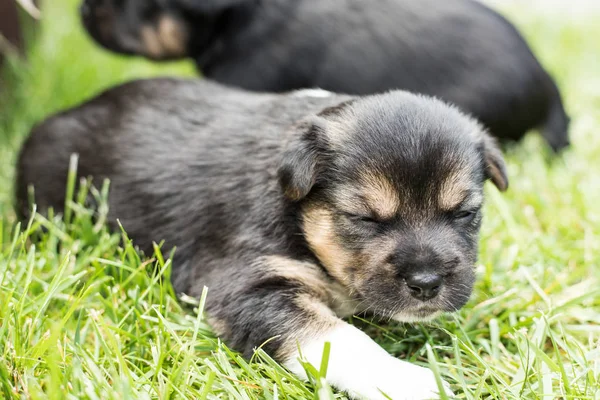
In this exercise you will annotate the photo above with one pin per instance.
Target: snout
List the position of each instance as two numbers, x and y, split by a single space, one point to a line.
424 286
416 280
422 269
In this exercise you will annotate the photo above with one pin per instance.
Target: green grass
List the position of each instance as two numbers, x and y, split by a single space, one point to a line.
83 316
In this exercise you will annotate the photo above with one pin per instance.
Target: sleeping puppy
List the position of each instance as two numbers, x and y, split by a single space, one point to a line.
457 50
296 210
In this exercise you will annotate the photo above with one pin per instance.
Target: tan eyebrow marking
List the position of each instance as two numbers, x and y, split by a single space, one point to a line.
454 190
379 194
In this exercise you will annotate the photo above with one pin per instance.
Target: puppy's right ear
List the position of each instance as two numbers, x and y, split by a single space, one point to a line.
495 167
298 170
209 6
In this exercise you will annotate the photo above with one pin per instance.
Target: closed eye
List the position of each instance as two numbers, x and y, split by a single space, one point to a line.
361 218
464 215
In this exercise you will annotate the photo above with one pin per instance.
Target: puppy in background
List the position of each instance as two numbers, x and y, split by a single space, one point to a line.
295 210
458 50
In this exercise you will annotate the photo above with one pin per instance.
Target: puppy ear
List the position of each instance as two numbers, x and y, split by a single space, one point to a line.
495 168
209 6
298 170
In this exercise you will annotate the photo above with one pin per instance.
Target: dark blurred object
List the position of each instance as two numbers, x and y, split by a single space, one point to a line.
457 50
10 28
11 25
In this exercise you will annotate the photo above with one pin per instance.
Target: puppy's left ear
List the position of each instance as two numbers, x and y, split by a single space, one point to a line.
495 168
210 6
299 167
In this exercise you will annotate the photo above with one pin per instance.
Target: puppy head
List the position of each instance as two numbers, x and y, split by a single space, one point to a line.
390 189
156 29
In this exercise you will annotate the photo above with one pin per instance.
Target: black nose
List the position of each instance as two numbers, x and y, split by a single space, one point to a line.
424 286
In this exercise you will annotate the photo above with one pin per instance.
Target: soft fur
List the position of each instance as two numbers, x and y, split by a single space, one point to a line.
293 209
457 50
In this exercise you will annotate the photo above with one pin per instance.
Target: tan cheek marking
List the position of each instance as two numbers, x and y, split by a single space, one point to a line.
172 35
320 235
380 195
454 189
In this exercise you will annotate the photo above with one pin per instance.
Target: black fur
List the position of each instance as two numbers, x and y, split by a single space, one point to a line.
230 177
457 50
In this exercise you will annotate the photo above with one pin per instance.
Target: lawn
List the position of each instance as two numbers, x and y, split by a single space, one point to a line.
83 317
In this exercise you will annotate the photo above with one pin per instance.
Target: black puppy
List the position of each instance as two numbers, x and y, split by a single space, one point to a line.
294 209
457 50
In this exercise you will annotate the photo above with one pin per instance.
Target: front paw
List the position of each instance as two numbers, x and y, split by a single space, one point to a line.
397 380
405 381
359 367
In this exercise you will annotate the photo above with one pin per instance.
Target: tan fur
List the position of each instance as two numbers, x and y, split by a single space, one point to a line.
320 235
293 193
497 177
316 300
220 327
299 271
334 294
172 36
166 39
151 42
380 195
454 189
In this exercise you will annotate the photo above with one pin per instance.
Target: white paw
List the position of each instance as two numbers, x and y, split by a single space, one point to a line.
399 380
361 368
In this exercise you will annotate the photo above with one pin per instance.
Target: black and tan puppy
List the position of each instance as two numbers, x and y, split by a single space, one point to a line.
295 209
457 50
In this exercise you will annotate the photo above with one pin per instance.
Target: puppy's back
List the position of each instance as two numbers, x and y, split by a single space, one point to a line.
92 130
44 156
143 133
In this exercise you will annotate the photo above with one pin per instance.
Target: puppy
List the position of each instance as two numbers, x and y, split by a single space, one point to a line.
457 50
296 210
